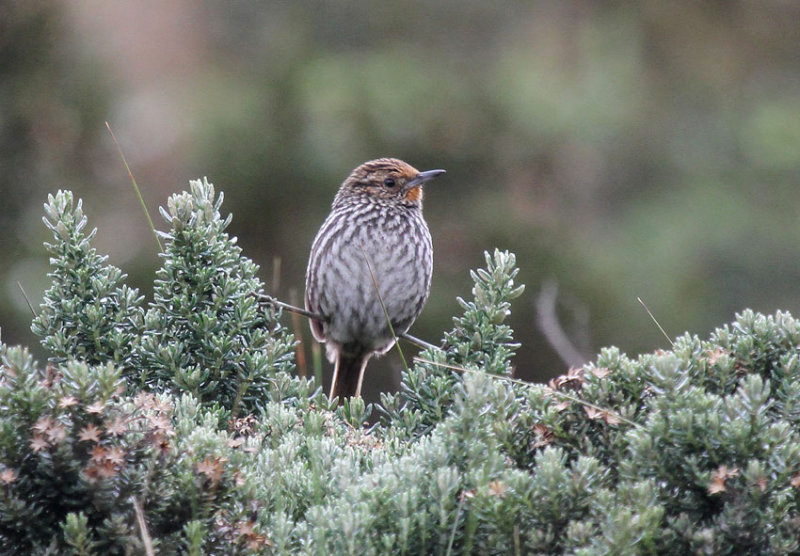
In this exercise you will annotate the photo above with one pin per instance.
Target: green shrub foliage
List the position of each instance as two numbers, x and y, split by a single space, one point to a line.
87 314
181 427
205 333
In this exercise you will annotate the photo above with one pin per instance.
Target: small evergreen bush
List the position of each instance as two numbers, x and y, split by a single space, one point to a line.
179 427
205 333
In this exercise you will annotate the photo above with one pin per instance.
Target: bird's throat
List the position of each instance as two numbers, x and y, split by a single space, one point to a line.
414 195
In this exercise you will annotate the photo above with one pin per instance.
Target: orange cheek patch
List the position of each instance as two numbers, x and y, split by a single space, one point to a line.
414 195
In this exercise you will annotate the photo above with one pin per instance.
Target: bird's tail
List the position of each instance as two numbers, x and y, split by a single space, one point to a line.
348 375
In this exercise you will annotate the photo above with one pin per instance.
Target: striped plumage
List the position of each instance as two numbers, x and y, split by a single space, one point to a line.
374 247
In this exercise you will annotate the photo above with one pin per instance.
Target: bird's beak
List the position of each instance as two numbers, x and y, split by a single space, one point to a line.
422 177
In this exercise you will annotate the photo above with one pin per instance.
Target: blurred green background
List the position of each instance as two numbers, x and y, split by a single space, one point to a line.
621 149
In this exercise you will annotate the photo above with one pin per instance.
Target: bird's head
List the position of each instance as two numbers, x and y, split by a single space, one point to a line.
389 179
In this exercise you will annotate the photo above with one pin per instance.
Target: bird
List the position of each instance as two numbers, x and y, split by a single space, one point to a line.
369 270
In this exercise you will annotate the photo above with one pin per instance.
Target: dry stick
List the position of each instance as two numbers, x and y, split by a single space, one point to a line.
136 188
291 308
416 341
547 320
276 274
316 361
146 541
295 310
27 300
639 299
300 352
455 525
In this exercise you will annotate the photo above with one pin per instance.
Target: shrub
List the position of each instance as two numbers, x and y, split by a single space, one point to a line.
180 428
87 313
205 333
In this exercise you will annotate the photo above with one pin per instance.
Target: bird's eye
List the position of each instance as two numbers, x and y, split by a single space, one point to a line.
389 182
